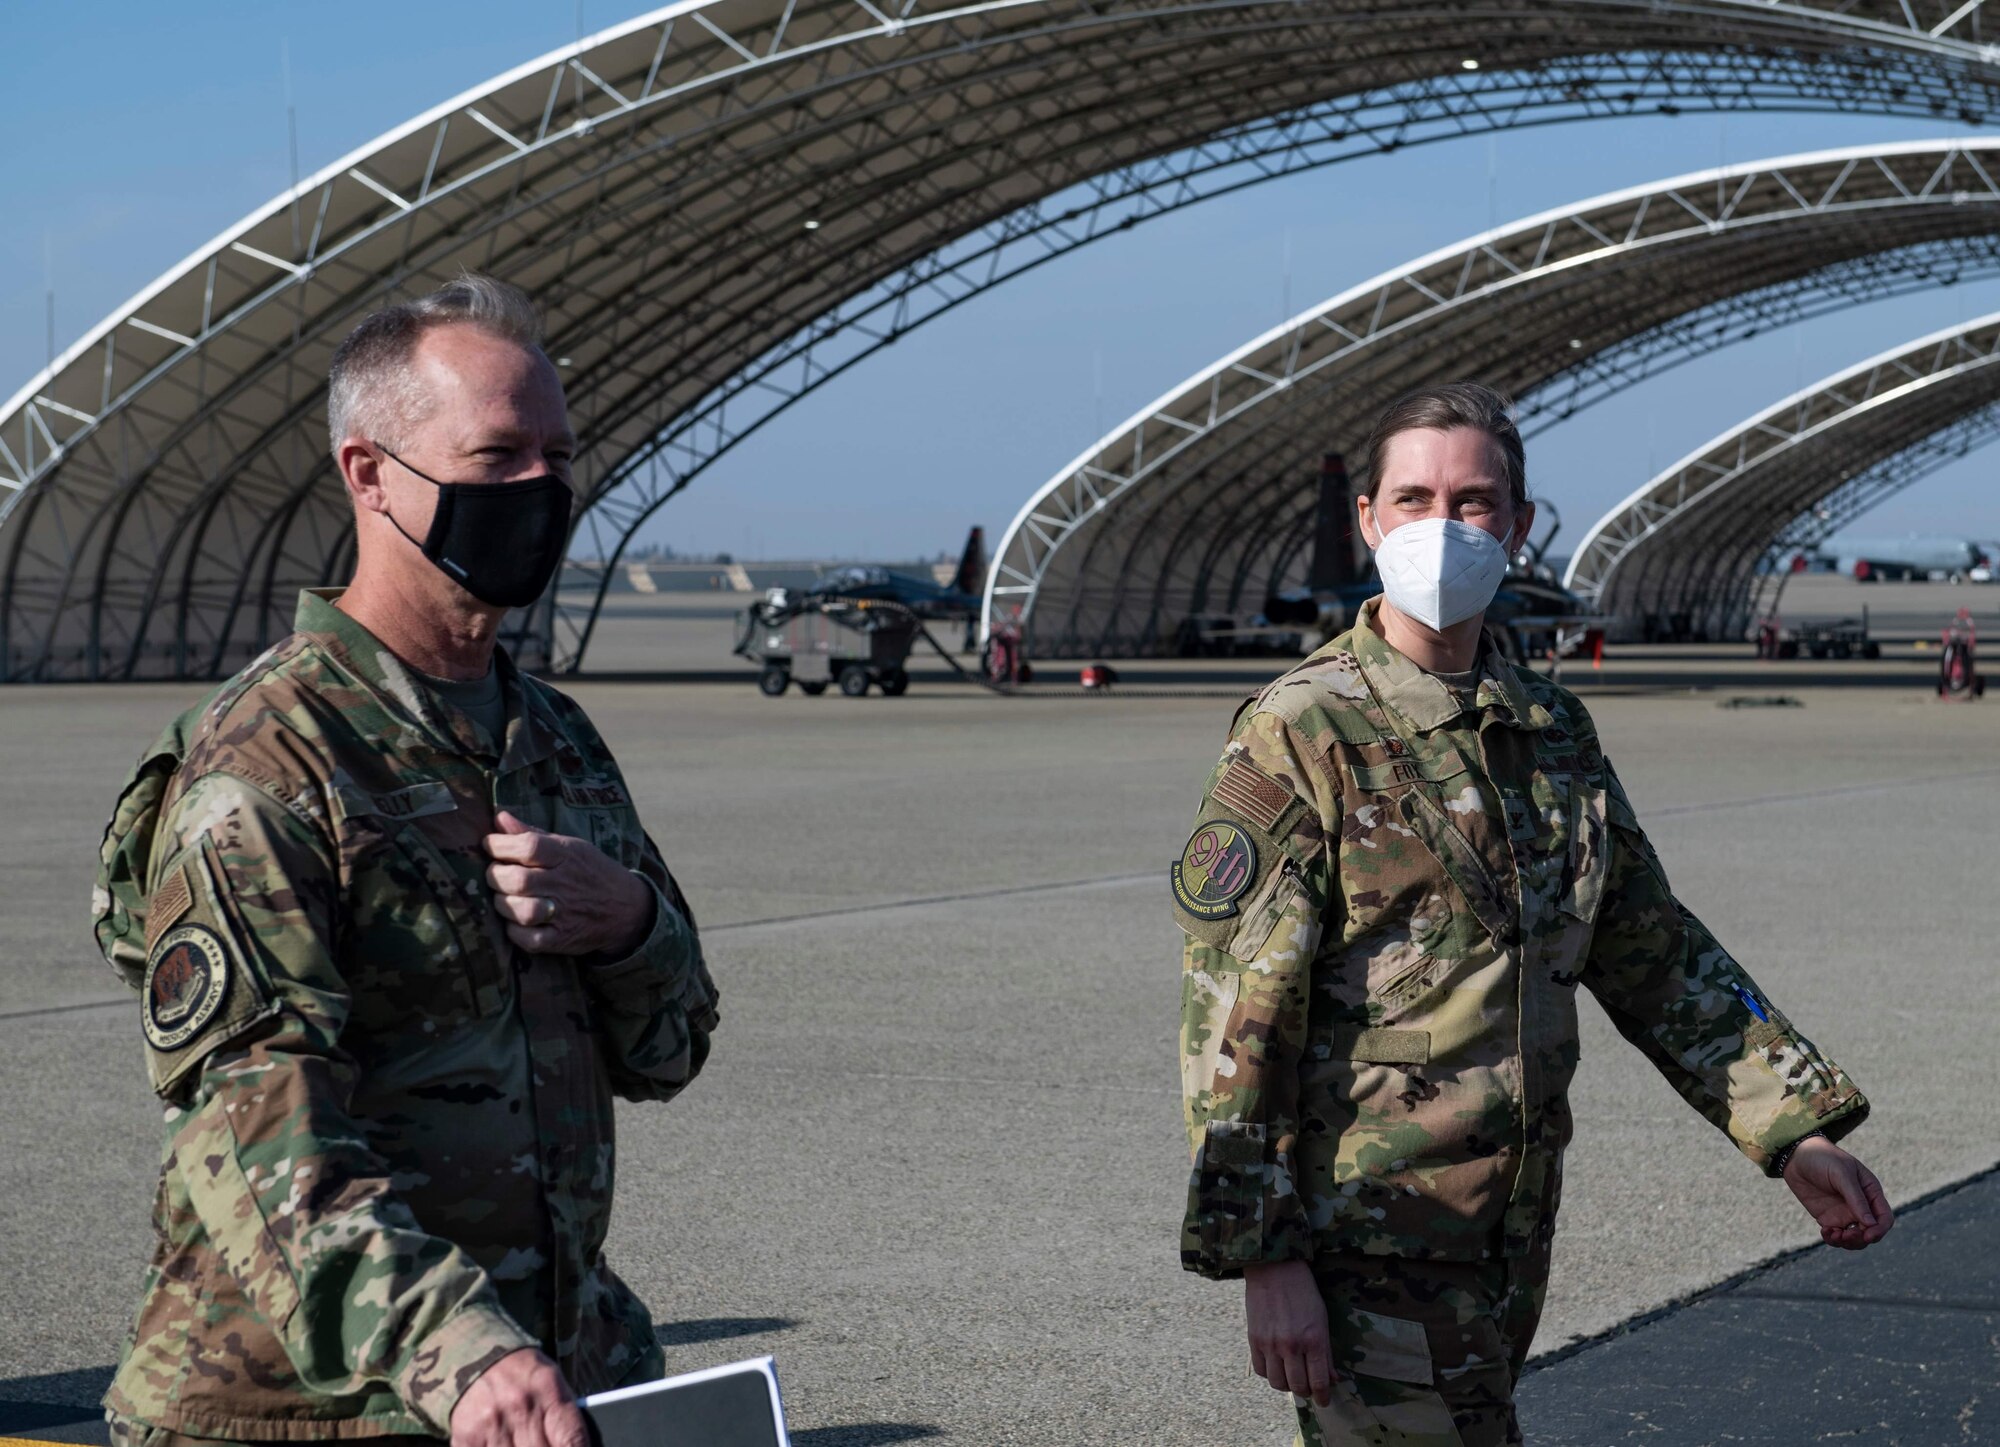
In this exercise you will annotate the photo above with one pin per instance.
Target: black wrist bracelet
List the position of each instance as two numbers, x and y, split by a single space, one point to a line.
1784 1157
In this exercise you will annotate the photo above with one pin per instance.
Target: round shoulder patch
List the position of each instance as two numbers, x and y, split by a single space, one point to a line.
1215 868
187 979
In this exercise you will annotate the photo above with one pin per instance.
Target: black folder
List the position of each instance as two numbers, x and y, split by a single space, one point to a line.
732 1406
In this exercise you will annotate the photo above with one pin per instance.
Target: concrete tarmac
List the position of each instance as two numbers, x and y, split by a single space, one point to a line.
935 1165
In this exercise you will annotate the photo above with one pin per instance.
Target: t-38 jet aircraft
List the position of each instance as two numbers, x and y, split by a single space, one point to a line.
958 601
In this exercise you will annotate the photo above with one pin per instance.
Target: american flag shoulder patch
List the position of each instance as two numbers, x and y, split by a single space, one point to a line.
1252 793
168 903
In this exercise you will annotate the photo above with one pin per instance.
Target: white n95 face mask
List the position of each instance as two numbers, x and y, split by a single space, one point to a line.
1440 572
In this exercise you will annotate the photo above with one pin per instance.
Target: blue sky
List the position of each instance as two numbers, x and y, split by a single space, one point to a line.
139 131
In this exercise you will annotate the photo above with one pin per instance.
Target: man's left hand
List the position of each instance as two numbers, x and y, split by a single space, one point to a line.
1840 1193
564 896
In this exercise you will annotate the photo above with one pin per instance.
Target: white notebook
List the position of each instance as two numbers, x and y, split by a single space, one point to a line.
733 1406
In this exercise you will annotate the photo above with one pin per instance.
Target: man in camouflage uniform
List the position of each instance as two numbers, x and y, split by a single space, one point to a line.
1409 857
399 939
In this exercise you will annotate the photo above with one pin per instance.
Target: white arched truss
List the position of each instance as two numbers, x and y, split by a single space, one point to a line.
1201 502
1688 552
725 202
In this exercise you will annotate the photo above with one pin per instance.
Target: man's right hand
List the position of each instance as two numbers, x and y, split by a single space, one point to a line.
519 1401
1289 1346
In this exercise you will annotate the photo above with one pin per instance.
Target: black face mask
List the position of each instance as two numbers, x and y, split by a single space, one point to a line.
500 541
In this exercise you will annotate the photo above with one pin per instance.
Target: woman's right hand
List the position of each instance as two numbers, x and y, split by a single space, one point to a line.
1289 1344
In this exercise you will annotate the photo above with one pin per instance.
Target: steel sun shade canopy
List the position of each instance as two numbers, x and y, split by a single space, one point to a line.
723 204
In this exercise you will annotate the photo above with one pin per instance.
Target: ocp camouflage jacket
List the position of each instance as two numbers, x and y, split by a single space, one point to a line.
1390 902
388 1151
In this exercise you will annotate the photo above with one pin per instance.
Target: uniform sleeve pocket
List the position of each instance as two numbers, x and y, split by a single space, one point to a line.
201 989
1623 828
1283 893
1229 1186
1589 840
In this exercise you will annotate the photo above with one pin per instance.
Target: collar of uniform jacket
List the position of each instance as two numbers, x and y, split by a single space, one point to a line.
530 737
1423 703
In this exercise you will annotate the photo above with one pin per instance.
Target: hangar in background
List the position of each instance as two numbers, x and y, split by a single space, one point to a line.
1691 552
724 203
1202 504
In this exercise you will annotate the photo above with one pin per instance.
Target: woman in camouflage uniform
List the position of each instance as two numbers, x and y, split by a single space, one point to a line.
1407 859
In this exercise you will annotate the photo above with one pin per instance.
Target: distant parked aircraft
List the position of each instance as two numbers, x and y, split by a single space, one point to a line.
957 601
1909 559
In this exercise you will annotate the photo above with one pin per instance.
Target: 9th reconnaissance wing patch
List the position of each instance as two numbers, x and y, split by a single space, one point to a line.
1216 868
1254 794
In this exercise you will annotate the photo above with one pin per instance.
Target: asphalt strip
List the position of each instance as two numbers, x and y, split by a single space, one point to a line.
1892 1345
923 901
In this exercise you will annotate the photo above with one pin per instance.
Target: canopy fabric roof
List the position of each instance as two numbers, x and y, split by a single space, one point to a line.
1203 501
1700 540
725 202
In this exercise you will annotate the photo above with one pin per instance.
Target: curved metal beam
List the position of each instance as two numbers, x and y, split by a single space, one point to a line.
1562 309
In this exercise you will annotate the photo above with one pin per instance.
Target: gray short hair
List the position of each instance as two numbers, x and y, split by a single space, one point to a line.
372 391
1439 409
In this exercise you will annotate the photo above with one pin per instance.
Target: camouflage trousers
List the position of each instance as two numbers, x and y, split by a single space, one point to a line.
137 1434
1427 1352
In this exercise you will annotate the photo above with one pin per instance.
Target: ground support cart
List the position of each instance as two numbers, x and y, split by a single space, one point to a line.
853 644
1847 638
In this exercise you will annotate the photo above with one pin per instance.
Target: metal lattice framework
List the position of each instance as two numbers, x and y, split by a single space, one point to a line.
1202 501
726 202
1699 540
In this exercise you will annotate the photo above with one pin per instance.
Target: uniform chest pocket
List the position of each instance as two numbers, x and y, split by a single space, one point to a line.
1402 963
599 809
1489 901
425 956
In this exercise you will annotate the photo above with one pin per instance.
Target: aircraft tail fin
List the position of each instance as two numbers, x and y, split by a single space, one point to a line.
971 574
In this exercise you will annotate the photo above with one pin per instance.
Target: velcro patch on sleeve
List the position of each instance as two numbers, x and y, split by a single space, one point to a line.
188 976
199 991
166 906
1251 792
1217 866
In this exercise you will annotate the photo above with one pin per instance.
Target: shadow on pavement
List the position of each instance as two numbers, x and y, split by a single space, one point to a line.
1894 1344
863 1434
55 1406
718 1328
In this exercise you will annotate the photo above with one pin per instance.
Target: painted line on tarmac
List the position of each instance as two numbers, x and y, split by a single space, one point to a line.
929 899
1807 794
741 924
984 1082
60 1010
